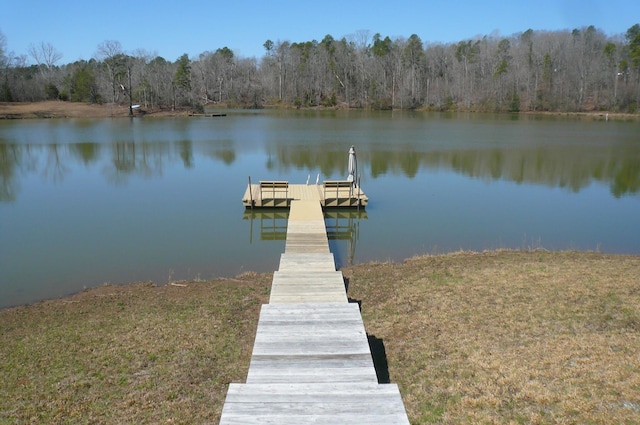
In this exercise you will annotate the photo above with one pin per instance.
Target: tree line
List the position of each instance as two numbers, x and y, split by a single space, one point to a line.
578 70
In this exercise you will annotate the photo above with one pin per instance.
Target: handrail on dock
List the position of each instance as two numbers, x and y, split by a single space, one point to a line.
339 186
275 187
280 194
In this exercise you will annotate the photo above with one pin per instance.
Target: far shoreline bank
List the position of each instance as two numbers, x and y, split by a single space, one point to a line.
60 109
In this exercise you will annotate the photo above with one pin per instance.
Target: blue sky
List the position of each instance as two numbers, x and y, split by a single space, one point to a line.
171 28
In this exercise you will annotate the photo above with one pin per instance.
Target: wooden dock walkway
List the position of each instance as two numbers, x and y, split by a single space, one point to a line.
311 360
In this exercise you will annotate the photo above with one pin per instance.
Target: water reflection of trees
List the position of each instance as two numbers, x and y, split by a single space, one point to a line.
222 150
48 160
9 162
569 168
119 160
55 168
56 161
86 152
144 159
565 167
626 179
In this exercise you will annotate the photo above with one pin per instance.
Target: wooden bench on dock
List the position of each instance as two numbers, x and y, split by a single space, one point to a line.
336 192
274 190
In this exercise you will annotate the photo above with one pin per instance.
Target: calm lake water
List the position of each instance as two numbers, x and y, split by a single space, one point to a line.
85 202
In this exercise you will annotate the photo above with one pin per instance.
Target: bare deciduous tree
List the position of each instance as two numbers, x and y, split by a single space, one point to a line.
567 70
45 54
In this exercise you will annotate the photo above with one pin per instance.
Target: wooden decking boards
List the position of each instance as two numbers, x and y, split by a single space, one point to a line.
295 404
311 360
315 403
306 343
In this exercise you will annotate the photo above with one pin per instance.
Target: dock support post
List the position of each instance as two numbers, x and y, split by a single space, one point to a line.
250 192
358 192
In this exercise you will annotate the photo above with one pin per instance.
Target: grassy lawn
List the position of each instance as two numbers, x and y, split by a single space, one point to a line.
509 337
496 337
129 354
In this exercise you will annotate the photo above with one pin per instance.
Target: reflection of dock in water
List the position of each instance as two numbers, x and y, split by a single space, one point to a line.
273 223
341 225
344 225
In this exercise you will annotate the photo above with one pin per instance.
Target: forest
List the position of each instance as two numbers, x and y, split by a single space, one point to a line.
564 71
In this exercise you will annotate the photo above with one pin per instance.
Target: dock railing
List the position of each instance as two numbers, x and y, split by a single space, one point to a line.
342 187
274 190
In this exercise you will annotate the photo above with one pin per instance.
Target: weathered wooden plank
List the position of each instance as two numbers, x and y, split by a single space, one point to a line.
309 277
294 299
307 239
335 322
294 295
311 241
328 309
282 290
308 320
319 290
306 231
303 274
326 337
319 374
317 287
320 281
308 249
318 407
302 325
321 368
288 419
307 262
309 348
356 360
328 312
308 287
308 234
301 340
305 258
311 392
330 403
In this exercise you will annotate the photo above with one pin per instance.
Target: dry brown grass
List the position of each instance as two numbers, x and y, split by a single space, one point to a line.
509 337
59 109
497 337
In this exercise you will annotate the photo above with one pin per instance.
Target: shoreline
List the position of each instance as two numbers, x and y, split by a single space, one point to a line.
498 336
60 109
180 283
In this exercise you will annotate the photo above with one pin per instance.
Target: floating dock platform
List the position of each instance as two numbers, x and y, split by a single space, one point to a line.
280 194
